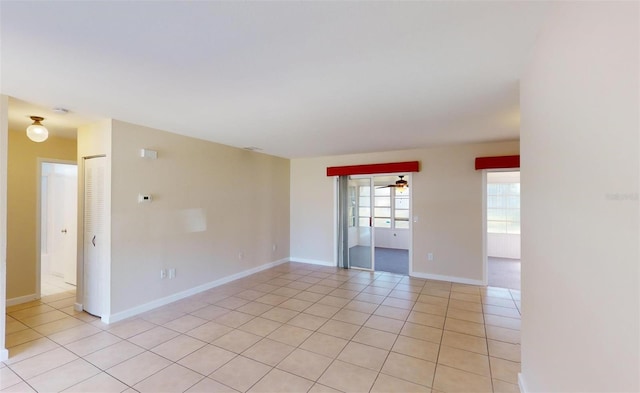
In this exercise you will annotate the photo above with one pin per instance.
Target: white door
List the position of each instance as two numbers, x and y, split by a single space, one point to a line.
58 220
94 245
64 212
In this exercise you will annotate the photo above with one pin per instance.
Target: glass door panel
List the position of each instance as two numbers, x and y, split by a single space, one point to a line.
360 231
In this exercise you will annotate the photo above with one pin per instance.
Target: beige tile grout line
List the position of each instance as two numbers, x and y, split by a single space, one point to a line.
486 341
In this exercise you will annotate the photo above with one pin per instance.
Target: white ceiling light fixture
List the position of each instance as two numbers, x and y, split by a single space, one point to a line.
36 131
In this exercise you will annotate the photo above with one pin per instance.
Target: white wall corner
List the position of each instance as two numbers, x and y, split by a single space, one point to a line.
312 261
119 316
521 383
438 277
4 355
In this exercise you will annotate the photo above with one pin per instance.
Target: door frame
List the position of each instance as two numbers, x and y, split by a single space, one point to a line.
41 161
485 257
412 219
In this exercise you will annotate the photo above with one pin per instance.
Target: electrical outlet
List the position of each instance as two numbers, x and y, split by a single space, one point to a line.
274 247
172 272
430 256
163 273
240 255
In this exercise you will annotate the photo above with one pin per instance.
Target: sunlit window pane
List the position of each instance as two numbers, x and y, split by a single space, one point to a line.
402 203
503 207
402 214
496 226
383 211
513 215
383 201
513 202
402 224
496 214
513 227
382 222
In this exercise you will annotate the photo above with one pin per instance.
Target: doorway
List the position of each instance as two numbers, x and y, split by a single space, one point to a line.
379 230
503 229
58 227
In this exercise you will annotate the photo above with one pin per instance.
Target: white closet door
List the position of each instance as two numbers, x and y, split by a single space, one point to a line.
94 245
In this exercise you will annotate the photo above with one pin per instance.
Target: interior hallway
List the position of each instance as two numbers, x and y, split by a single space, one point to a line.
51 284
295 327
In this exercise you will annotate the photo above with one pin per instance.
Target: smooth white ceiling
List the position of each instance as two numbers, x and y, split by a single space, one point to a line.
296 79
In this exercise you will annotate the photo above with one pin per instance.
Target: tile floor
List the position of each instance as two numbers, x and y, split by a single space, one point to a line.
292 328
51 284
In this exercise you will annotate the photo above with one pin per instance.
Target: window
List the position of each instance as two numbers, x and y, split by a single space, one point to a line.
352 206
391 208
382 208
401 212
364 206
503 208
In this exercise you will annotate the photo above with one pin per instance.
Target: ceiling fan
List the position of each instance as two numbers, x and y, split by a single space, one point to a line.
401 183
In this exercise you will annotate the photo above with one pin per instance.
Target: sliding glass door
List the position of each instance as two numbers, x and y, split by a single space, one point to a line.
360 227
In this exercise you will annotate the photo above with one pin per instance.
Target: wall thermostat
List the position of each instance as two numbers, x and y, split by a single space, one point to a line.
144 198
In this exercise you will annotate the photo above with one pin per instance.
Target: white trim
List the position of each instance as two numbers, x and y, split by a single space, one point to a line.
78 307
336 221
485 259
410 175
521 383
438 277
22 299
313 261
4 355
111 318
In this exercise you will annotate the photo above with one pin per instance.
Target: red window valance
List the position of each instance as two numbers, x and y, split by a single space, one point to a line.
502 162
372 169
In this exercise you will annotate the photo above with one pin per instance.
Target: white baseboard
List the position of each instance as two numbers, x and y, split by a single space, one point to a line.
186 293
312 261
521 384
4 355
458 280
78 307
22 299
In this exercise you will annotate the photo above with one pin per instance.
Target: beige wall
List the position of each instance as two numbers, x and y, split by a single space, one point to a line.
22 204
211 203
4 111
580 211
447 200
